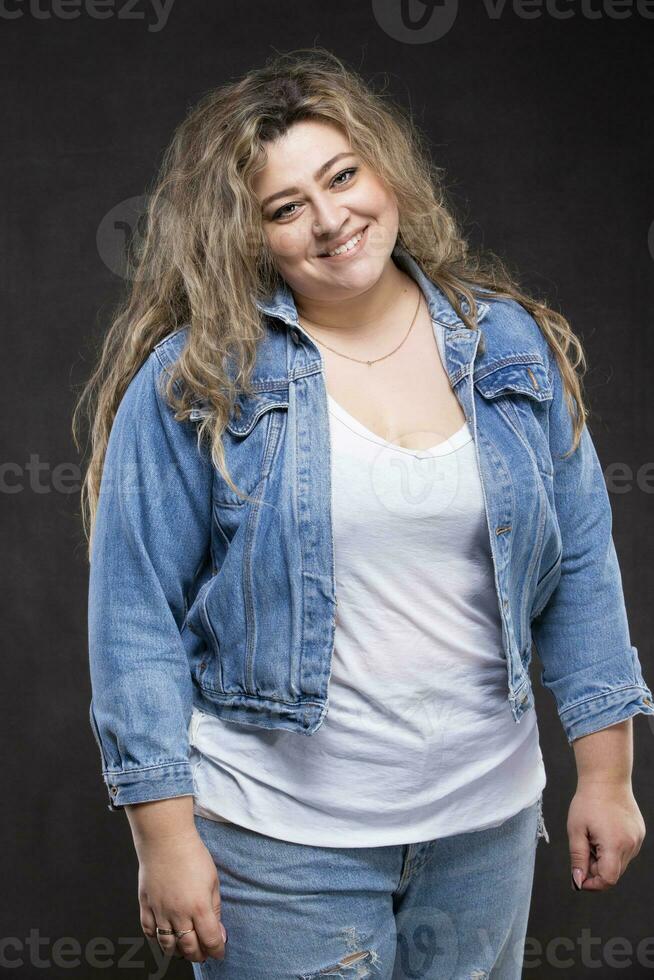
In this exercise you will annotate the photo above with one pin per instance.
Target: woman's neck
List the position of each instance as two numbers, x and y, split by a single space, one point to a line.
385 305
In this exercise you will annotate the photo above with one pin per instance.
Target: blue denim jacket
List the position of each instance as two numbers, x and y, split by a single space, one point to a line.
197 597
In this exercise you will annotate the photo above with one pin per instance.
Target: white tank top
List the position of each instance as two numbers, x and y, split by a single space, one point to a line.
419 741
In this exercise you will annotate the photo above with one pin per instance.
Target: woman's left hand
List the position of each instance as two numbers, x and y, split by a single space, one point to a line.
605 832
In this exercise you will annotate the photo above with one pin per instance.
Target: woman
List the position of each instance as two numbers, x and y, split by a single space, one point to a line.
333 450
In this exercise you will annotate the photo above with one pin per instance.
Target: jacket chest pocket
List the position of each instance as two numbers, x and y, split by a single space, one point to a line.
521 389
251 441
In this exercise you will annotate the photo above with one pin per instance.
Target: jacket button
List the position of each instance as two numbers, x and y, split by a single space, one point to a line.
647 701
114 790
295 336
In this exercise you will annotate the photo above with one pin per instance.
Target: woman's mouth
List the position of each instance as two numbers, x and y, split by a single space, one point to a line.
350 248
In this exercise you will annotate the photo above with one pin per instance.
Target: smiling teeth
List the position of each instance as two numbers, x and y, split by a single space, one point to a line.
348 245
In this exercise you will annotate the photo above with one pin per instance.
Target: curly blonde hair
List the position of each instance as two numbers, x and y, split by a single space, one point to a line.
203 260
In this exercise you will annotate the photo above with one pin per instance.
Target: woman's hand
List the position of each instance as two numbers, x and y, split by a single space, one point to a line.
605 831
179 888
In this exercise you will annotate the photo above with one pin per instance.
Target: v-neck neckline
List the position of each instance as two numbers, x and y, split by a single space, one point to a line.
453 442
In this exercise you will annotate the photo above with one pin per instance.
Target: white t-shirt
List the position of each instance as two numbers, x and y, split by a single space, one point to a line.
419 740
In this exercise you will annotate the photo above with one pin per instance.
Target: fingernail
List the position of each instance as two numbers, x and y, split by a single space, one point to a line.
577 878
224 932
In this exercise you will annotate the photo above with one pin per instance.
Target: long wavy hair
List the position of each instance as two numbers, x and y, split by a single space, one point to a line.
203 260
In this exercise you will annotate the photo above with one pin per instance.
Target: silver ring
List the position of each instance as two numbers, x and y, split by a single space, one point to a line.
183 932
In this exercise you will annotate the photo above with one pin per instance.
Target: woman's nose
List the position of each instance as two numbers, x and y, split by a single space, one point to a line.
328 219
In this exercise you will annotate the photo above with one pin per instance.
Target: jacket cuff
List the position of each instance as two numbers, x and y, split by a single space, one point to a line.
603 710
144 785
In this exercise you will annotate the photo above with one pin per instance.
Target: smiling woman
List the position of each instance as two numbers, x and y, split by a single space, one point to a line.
332 214
333 209
341 483
331 237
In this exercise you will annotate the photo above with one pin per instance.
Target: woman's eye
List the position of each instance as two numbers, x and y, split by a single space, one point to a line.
280 212
283 213
350 170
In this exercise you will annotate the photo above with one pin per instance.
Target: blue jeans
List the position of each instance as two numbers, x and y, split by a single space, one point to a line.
454 908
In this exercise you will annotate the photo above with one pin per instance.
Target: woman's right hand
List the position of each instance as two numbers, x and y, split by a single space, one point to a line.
179 888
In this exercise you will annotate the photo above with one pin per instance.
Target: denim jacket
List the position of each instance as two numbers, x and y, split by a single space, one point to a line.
197 597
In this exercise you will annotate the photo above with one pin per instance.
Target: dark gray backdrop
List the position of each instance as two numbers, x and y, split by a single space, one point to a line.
538 112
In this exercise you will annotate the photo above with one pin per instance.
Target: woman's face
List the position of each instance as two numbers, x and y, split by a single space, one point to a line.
315 195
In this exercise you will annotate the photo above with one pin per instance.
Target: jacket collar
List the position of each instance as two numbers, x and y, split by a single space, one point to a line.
282 305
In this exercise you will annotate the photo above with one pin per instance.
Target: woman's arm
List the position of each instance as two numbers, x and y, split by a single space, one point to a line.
160 821
152 537
151 541
605 826
582 635
589 664
606 756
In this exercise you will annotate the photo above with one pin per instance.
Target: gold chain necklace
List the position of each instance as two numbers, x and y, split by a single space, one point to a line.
364 361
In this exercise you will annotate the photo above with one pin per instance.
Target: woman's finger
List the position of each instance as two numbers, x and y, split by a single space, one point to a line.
148 922
167 942
188 944
604 871
212 934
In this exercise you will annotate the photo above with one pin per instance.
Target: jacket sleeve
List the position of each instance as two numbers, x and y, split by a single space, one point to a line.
582 635
151 536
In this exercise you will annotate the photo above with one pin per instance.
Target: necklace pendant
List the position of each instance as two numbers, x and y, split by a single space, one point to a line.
369 363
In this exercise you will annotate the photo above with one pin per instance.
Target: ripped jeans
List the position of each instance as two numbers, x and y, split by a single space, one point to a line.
454 908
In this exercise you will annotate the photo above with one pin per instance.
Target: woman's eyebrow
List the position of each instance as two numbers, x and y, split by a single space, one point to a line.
320 172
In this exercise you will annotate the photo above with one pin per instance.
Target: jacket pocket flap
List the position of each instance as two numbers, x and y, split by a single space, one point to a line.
249 409
525 374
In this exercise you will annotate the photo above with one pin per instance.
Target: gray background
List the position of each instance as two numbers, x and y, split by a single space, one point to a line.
542 125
